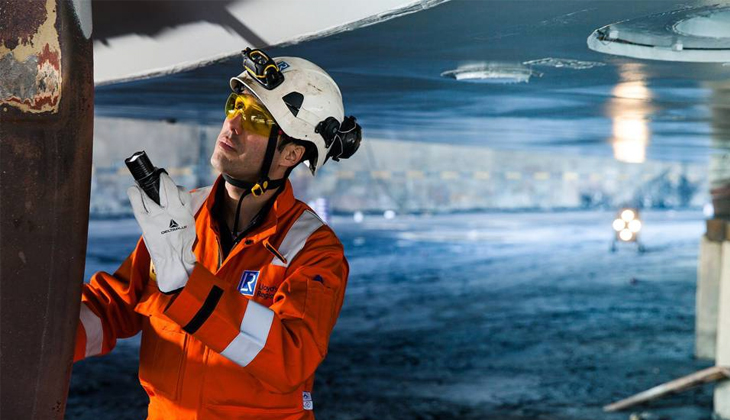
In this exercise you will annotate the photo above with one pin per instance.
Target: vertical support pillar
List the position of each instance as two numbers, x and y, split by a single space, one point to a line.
708 289
719 176
46 123
722 389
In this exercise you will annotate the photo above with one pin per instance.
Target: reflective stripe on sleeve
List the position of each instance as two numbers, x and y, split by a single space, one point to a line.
297 236
255 328
93 329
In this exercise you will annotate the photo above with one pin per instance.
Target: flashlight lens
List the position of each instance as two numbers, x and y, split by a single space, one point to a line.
628 215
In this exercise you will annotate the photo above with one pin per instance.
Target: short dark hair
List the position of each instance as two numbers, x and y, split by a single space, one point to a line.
310 150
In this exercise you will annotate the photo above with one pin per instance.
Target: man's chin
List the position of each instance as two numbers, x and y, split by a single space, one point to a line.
217 161
222 168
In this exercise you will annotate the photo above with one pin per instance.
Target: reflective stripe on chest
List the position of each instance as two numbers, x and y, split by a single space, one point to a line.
296 237
273 272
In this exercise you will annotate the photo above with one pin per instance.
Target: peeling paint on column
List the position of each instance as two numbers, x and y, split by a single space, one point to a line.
30 56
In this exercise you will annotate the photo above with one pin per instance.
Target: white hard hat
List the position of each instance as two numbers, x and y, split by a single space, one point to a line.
301 104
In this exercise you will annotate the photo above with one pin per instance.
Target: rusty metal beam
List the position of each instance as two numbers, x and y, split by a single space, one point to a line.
46 123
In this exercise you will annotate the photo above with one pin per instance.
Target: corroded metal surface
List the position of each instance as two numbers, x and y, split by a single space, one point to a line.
30 56
46 122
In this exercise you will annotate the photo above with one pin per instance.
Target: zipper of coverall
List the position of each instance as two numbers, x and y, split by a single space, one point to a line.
235 243
257 219
255 222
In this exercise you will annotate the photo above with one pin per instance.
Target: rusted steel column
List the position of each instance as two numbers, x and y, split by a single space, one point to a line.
46 123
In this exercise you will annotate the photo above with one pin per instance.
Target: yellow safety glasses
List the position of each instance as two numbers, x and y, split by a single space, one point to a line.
254 117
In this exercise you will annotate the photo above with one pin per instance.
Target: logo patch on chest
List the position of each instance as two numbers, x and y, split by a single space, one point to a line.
247 285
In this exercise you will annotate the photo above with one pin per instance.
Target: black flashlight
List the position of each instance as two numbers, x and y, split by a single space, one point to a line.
146 174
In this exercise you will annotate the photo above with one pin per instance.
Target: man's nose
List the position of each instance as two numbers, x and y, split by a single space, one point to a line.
234 123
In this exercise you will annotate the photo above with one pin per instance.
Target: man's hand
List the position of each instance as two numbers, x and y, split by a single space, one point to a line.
169 232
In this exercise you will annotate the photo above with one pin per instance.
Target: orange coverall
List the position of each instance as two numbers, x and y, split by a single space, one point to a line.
243 338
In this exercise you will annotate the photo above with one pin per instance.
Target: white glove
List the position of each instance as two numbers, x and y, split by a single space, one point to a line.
168 230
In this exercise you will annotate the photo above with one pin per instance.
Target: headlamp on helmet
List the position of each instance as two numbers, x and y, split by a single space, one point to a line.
262 68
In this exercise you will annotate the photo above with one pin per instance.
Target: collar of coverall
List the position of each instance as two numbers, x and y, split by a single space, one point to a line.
284 201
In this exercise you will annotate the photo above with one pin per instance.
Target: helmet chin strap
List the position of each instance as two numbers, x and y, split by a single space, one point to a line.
263 184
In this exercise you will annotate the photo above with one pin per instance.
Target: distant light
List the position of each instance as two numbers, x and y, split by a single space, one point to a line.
629 149
358 217
628 215
708 210
619 225
625 235
630 121
635 225
627 225
389 214
632 90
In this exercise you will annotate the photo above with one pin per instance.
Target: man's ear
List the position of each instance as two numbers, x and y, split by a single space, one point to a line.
291 155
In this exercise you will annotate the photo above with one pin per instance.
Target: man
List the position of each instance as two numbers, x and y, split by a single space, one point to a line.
236 288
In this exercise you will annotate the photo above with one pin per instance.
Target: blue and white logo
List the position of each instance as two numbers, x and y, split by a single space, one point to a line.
283 65
247 286
307 401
